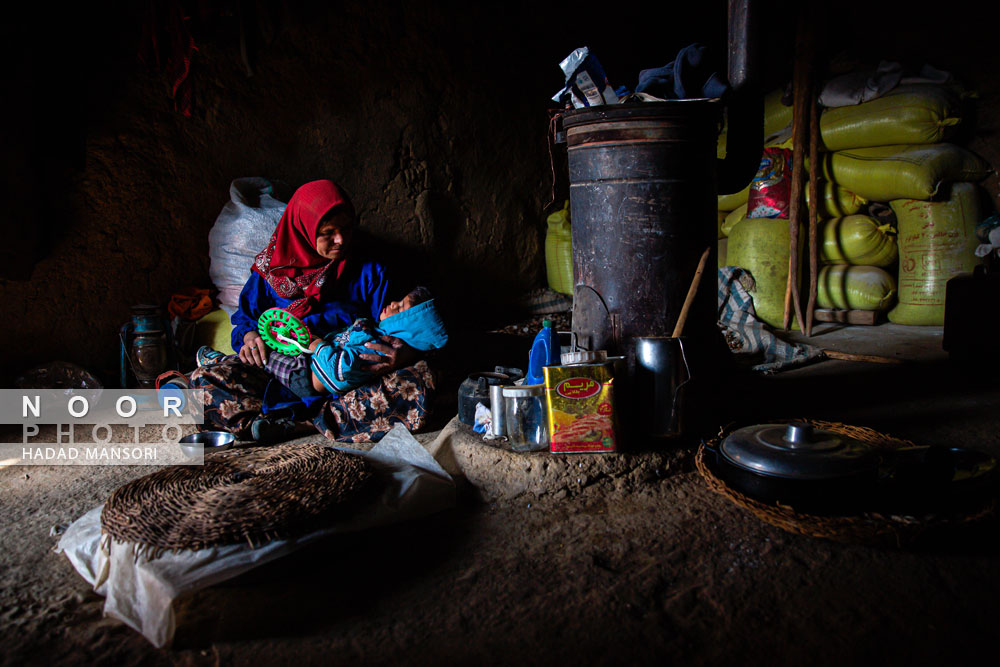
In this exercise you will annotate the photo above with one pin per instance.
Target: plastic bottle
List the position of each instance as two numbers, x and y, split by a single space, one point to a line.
545 351
175 391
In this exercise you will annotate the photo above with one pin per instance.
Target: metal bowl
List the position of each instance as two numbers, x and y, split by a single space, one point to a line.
207 441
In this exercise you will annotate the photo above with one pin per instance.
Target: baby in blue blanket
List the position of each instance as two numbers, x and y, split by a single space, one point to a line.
336 365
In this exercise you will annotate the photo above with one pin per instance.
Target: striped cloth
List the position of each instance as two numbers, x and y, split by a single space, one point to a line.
282 366
745 334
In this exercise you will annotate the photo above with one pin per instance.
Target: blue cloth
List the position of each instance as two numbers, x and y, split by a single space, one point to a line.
691 75
337 363
420 327
361 291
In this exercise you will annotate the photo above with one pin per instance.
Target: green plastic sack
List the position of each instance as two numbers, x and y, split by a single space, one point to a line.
859 240
722 220
911 114
760 246
733 201
837 201
777 117
855 288
723 252
559 251
937 241
214 330
902 172
732 218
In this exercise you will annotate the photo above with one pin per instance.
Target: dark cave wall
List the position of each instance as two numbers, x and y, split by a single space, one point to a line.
414 138
432 115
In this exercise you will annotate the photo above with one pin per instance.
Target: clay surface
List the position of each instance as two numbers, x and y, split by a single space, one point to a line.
590 559
495 473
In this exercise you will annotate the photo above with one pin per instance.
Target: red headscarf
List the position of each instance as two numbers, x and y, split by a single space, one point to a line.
290 263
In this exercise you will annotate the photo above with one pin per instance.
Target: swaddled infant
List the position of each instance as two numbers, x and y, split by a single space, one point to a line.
336 365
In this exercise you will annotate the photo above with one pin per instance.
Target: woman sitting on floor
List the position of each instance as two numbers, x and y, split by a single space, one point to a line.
312 269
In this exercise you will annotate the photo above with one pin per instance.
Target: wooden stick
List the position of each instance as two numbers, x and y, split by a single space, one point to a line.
847 356
692 290
788 295
800 115
813 210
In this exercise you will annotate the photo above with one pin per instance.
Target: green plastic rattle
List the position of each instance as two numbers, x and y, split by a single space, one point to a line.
283 332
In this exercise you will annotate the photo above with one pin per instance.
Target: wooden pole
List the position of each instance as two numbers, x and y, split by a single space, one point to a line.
786 318
813 210
873 358
800 114
692 290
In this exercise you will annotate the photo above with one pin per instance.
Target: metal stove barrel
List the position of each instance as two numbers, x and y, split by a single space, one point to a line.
643 200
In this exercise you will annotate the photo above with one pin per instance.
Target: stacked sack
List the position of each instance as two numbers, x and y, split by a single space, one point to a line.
891 149
732 207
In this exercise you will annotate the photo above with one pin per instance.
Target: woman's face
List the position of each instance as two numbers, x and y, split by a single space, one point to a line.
333 236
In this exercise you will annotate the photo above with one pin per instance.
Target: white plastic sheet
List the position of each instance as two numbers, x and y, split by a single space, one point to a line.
140 591
865 86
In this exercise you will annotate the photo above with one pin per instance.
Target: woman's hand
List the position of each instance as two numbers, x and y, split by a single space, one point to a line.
389 355
254 350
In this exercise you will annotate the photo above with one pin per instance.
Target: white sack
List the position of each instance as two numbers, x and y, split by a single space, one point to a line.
242 230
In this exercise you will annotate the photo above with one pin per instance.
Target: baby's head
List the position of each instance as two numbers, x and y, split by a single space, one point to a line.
416 296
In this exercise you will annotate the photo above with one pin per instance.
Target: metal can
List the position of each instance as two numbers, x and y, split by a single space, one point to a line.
498 426
581 408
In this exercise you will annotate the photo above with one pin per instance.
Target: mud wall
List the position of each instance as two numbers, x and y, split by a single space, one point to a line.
432 115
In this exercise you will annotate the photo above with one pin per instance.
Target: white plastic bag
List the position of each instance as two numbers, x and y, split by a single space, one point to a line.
140 590
242 230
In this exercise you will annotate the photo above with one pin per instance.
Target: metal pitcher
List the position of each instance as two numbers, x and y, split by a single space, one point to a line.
661 374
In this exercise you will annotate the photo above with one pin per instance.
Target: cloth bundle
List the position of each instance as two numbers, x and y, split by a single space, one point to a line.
746 334
690 75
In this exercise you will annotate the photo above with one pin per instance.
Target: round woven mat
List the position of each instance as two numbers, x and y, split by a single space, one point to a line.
249 495
867 528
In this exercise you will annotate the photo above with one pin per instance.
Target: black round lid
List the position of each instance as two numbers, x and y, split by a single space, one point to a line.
797 451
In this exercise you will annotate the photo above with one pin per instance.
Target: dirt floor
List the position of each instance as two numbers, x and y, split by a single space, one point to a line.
639 564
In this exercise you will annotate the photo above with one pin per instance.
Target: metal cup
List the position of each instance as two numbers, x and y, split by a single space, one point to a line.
499 417
661 371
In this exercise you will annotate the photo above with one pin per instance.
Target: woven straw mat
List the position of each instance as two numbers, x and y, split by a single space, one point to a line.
249 495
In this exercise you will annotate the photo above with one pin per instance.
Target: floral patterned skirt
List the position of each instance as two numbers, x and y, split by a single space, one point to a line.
234 393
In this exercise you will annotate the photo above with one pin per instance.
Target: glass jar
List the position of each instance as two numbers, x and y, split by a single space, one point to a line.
527 417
